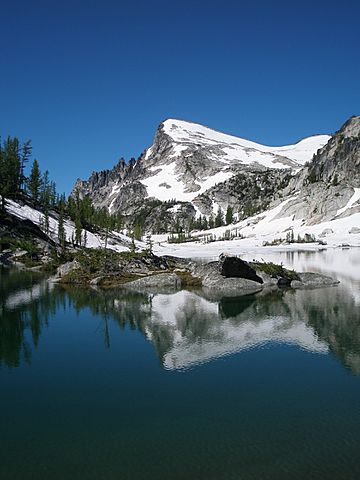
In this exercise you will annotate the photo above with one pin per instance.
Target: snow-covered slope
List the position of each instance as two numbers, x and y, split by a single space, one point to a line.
187 159
238 150
116 241
271 226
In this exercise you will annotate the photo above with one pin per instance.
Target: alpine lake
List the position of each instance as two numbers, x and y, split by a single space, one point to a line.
111 384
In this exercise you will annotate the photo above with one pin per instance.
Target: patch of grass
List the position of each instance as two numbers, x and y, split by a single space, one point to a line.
132 255
116 280
275 270
77 276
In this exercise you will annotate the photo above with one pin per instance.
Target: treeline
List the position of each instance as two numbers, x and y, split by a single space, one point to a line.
218 220
15 185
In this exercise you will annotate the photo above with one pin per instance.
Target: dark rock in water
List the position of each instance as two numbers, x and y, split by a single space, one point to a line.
234 267
284 282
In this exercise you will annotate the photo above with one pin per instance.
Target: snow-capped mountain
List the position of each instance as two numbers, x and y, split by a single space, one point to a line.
186 165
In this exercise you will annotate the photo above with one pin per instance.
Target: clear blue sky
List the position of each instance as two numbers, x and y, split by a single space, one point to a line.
89 81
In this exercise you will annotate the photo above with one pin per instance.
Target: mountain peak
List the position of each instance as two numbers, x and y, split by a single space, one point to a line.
351 127
239 150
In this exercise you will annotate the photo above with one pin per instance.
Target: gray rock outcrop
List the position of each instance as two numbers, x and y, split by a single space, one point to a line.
313 280
158 281
325 185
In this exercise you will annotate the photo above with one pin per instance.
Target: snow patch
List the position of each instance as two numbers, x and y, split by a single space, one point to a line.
354 199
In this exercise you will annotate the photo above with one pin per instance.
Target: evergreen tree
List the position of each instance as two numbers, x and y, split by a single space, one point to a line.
78 229
61 229
52 194
46 220
229 218
25 155
211 221
137 232
219 219
149 243
10 169
133 246
45 189
35 182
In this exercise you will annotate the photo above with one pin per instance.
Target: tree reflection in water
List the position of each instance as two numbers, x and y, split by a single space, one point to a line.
186 327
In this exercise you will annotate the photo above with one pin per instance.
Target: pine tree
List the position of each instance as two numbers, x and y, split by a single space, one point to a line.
133 246
25 155
46 220
61 229
219 219
137 232
35 182
10 169
211 221
78 229
229 218
149 243
45 189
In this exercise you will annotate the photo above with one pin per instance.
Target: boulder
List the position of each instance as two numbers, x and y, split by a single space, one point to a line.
233 267
313 280
64 270
97 280
354 230
283 282
161 280
213 281
326 231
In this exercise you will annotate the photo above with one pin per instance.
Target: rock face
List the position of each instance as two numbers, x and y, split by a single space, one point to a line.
190 168
324 188
230 266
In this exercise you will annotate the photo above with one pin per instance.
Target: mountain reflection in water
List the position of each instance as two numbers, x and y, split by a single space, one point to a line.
187 328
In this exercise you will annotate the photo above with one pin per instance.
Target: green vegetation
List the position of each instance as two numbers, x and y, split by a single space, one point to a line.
181 238
229 217
290 238
275 270
219 219
13 159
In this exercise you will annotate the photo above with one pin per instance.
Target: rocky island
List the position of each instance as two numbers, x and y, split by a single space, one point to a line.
229 275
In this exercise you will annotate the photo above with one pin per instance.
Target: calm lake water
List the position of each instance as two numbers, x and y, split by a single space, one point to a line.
181 385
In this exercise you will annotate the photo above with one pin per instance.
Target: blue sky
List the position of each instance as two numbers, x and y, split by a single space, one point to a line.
89 81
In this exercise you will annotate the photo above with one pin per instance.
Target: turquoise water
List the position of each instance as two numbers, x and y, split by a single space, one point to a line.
179 385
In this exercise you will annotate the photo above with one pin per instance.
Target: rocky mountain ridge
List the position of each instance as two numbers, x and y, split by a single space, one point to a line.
191 170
